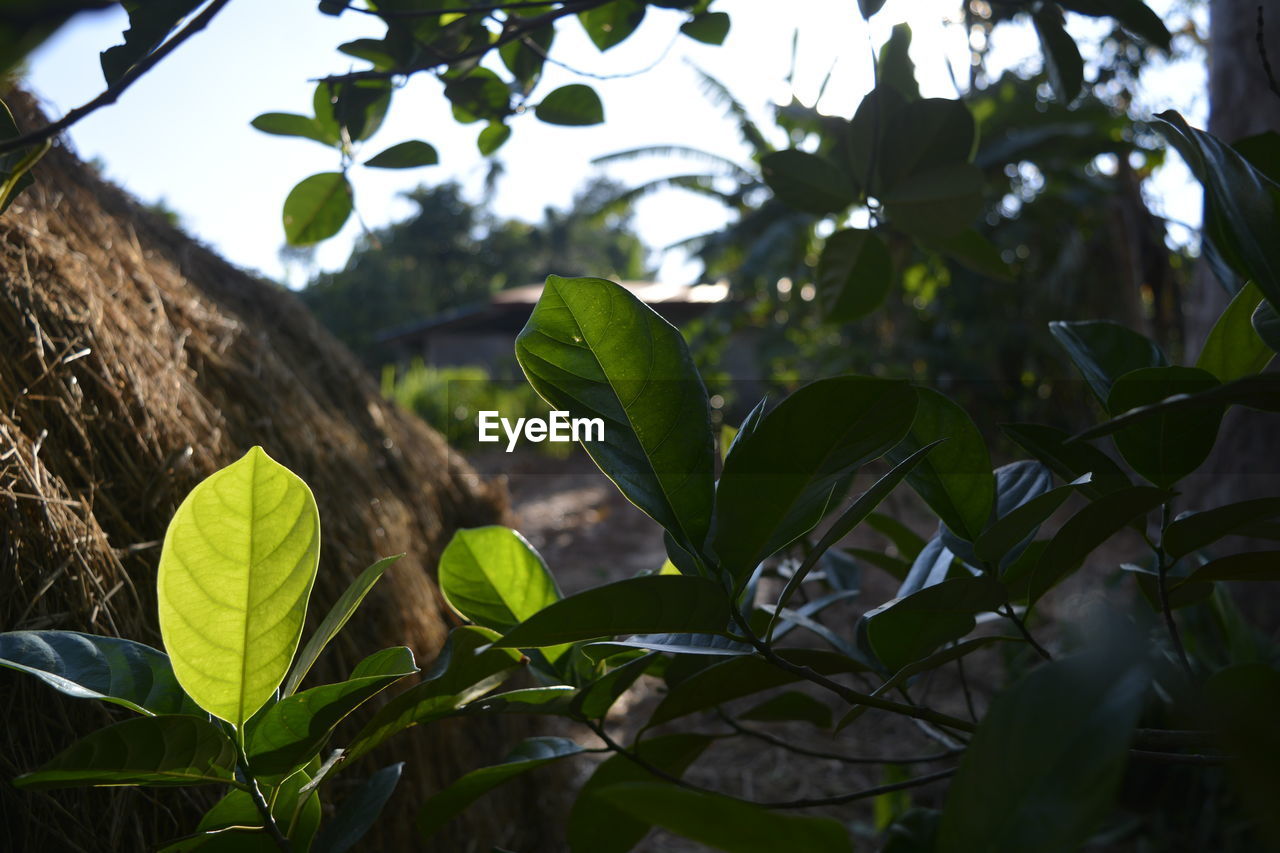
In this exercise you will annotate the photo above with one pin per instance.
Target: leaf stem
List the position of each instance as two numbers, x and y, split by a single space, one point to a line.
1012 615
1162 585
255 793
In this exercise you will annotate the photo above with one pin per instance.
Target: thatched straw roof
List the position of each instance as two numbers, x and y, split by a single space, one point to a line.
134 362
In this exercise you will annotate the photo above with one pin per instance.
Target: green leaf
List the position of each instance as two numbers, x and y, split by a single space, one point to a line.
493 577
1103 351
405 155
707 27
779 481
1088 529
1234 348
292 731
291 124
555 699
163 750
493 137
921 139
1241 701
1197 530
531 754
1247 566
234 824
596 825
895 68
478 94
869 7
149 24
595 350
975 252
1164 448
723 822
87 666
907 629
467 668
236 570
1061 56
609 24
848 520
791 705
1015 484
1266 323
936 204
334 621
907 541
1242 214
358 812
807 181
526 56
23 159
1257 392
956 479
1046 762
317 208
1069 459
646 604
359 107
855 274
677 644
1021 523
1134 15
574 105
743 676
595 699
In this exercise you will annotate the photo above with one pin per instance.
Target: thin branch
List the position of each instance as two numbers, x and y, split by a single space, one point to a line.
1262 52
864 794
843 759
1178 757
1164 739
113 92
1162 586
390 14
964 686
1012 615
251 785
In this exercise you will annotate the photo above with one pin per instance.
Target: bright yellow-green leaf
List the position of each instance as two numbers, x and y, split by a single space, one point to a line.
236 570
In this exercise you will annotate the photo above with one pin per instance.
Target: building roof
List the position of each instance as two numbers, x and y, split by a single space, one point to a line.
508 310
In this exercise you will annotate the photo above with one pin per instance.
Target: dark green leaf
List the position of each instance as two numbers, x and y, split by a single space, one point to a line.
1257 392
936 204
358 812
492 138
907 629
1021 523
290 124
707 27
406 155
743 676
1266 323
907 541
1165 448
869 7
780 481
317 208
1234 348
358 107
1193 532
1103 351
956 479
1248 566
647 604
1134 15
574 105
1070 460
1044 766
611 23
1241 702
679 644
596 825
855 274
791 705
896 567
531 754
895 67
292 731
86 666
467 668
163 750
526 56
555 699
970 249
1241 217
1061 56
807 181
334 621
478 94
725 823
1088 529
234 824
593 349
149 24
595 699
922 139
1016 483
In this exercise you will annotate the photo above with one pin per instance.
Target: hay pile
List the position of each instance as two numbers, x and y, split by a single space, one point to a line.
133 363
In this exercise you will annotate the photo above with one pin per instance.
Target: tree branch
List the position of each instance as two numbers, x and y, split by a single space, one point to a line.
113 92
843 759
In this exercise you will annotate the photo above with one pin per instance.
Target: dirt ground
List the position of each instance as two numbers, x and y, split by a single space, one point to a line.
589 534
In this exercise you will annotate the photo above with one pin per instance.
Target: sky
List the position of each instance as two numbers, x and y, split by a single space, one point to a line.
181 134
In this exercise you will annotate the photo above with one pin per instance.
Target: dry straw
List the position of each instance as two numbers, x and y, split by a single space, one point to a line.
134 363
